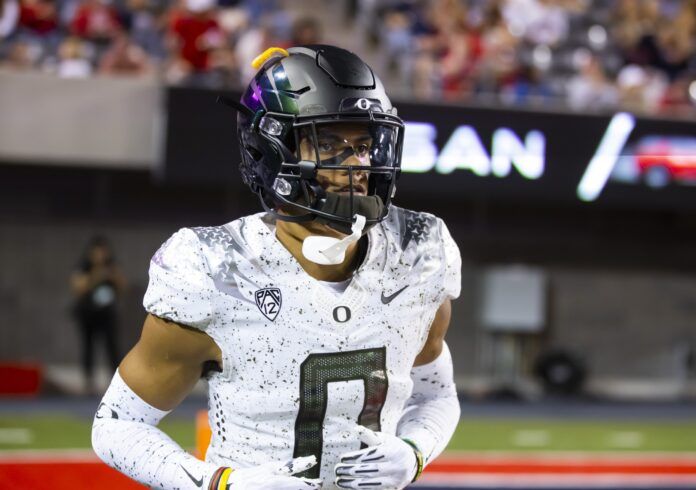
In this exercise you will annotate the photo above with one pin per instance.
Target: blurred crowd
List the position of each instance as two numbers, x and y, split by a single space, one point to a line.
192 42
584 54
637 54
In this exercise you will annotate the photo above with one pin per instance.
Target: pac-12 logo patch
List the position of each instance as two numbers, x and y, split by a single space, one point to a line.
269 301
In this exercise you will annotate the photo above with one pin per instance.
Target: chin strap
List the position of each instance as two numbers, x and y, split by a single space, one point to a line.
284 217
324 250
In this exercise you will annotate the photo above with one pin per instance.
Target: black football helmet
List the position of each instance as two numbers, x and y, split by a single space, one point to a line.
295 96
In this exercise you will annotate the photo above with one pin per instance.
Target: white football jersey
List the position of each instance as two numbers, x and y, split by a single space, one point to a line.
303 364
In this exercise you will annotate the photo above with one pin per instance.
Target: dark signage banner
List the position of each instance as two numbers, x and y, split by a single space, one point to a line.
450 151
616 158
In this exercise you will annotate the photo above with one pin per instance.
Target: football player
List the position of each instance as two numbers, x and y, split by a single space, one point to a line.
319 323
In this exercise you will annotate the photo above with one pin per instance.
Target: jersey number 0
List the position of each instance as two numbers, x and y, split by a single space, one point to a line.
317 371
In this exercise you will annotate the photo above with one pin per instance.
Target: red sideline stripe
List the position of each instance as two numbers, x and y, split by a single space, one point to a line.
63 476
561 466
67 474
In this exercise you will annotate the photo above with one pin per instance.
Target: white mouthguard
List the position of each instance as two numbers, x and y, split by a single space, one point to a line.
324 250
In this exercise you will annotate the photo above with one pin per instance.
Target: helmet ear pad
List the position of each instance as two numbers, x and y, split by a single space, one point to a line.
256 167
262 156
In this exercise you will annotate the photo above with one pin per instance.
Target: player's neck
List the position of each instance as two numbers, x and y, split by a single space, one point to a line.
291 235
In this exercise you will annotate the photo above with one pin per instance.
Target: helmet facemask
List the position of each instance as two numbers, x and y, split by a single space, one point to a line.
335 167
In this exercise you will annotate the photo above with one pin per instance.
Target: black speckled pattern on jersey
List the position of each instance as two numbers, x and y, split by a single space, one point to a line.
207 277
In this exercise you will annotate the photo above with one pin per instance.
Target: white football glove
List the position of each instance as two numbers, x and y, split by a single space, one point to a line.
388 462
275 476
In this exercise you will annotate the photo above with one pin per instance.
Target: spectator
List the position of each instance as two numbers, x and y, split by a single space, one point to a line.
514 51
396 40
427 46
634 23
9 16
124 57
305 30
258 9
97 284
279 23
677 99
146 23
641 88
195 32
529 86
73 59
499 60
674 47
96 21
538 21
176 71
38 25
462 52
40 17
22 56
590 88
224 70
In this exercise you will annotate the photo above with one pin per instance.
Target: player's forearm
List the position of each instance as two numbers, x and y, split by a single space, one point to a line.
432 412
149 456
124 436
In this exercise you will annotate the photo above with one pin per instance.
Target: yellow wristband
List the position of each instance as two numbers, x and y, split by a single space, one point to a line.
223 478
419 458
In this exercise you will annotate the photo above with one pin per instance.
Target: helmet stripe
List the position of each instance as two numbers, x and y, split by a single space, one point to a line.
257 93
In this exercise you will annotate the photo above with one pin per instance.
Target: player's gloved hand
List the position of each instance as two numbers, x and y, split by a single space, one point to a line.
275 476
387 462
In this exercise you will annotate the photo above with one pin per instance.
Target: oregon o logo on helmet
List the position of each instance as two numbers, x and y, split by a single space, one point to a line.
341 314
363 104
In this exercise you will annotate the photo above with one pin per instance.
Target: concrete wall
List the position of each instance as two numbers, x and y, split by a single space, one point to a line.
626 324
36 262
100 121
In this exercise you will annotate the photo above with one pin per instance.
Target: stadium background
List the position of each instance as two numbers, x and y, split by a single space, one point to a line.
533 130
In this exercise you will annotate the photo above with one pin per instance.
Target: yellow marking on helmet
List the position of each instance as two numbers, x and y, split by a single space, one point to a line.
269 53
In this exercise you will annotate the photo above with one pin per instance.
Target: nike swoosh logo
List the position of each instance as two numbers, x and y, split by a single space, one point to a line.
388 299
199 483
100 414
